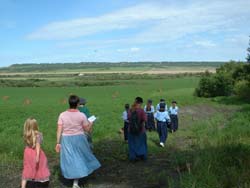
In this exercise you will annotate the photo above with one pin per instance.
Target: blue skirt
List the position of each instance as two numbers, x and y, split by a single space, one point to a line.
76 157
137 145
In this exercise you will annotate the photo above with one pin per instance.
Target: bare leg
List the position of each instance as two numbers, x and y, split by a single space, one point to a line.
24 182
75 183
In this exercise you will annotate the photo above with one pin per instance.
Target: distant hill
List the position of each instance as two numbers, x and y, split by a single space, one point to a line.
49 67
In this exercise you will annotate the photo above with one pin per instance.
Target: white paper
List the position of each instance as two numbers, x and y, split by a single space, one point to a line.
92 118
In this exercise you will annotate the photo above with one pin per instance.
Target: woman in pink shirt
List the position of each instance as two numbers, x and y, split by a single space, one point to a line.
76 158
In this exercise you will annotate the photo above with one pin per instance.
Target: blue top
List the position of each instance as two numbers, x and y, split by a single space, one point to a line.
173 111
162 116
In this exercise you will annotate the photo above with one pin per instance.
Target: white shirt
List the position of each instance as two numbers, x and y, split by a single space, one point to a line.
173 111
162 116
125 116
152 109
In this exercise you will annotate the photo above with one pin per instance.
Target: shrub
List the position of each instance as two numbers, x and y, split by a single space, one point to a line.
242 89
228 77
219 84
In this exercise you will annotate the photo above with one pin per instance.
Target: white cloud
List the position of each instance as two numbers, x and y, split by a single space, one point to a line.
205 43
134 49
121 50
155 22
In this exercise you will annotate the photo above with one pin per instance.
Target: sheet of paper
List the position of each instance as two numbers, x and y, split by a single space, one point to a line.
92 118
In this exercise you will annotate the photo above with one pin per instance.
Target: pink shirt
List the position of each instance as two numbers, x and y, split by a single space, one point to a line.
72 122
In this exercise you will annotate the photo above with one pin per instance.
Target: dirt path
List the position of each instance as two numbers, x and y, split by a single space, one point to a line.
116 171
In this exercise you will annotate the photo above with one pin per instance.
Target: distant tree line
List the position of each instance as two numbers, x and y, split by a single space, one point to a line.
43 67
230 79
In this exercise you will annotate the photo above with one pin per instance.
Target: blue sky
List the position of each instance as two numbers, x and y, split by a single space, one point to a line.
46 31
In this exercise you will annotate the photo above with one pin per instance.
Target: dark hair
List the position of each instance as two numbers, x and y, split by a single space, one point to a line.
82 101
73 101
162 100
138 100
174 102
126 106
162 107
150 101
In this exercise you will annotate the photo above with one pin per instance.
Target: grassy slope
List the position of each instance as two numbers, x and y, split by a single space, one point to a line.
207 151
105 102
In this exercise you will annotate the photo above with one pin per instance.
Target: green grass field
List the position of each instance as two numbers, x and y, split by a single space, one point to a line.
211 149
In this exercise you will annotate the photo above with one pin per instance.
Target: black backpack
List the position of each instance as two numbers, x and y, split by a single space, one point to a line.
135 124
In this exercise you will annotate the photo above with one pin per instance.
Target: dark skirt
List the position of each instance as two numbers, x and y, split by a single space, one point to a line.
174 122
162 131
137 145
150 123
125 130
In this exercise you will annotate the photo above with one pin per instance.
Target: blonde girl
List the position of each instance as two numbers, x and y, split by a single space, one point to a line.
35 166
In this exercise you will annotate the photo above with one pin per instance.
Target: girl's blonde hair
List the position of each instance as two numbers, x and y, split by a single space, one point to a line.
30 132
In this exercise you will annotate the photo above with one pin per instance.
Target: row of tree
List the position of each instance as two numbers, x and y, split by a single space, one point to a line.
232 78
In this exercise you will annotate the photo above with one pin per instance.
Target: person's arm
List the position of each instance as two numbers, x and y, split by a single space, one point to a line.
38 146
167 117
144 116
58 138
86 124
124 116
152 109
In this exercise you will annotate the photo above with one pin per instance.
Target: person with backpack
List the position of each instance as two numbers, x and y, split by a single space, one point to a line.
162 119
137 139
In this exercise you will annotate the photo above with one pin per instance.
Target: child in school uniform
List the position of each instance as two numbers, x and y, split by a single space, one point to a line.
162 119
84 109
149 109
35 165
173 111
126 122
158 105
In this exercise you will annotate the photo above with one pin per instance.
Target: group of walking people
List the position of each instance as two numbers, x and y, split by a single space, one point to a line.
74 140
138 120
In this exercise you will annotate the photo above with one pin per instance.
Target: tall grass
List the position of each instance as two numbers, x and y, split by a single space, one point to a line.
220 156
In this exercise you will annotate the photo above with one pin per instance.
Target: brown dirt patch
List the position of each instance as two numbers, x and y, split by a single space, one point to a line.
27 101
5 98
